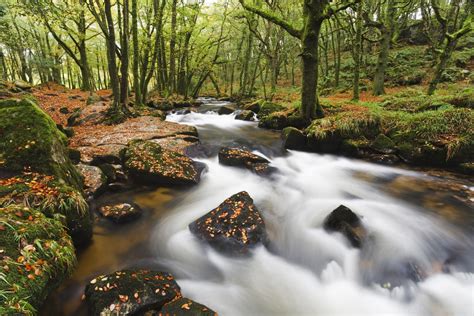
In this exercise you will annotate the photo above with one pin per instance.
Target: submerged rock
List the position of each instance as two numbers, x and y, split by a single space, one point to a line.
94 179
346 222
148 162
130 292
233 227
120 213
242 158
185 306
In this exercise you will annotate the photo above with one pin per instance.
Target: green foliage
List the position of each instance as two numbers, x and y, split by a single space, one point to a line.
37 254
51 197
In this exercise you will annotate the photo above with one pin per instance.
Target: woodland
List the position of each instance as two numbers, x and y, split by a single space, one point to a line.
105 104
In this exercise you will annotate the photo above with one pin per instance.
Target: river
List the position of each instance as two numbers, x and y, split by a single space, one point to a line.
418 260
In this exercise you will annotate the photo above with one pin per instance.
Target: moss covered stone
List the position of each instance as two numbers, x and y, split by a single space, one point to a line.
36 255
441 137
184 306
294 138
267 108
149 162
30 138
130 292
51 197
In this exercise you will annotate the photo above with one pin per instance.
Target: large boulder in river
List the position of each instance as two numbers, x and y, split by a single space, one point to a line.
245 115
234 227
130 292
237 157
346 222
294 138
184 306
150 163
226 109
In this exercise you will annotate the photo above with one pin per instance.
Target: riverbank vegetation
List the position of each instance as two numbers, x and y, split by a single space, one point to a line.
86 86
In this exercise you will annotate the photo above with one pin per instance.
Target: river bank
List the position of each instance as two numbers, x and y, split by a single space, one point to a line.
294 201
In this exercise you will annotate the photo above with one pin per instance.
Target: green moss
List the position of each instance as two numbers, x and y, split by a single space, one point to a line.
347 125
50 197
37 255
439 137
30 139
267 108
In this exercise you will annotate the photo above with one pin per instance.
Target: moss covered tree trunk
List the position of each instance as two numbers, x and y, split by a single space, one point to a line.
309 99
136 54
357 53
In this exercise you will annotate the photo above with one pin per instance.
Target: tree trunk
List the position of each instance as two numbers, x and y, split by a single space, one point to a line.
124 59
357 52
112 63
136 54
443 61
309 99
172 77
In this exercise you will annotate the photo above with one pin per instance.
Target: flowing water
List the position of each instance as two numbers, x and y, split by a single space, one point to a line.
418 260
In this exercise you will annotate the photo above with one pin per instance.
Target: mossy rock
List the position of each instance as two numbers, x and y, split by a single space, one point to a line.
281 119
383 144
149 163
52 198
184 306
36 256
254 106
29 138
130 292
268 108
294 138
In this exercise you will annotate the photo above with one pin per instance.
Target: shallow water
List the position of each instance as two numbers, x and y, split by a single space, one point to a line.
418 261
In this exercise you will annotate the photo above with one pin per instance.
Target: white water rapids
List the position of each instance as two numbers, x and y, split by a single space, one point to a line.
306 270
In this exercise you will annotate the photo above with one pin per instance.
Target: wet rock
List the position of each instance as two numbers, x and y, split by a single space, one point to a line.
346 222
254 106
74 155
129 292
387 159
238 157
245 115
113 172
225 110
383 144
149 163
94 179
234 227
294 138
185 306
120 213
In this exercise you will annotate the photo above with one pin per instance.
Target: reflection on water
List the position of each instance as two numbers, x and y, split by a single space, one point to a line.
420 230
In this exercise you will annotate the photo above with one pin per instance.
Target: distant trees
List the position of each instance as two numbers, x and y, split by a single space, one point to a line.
243 48
314 14
455 19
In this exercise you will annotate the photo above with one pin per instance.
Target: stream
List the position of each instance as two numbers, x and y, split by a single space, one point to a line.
418 260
